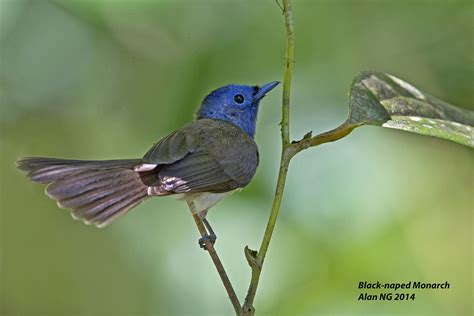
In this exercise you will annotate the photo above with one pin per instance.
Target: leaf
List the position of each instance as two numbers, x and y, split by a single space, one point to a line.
384 100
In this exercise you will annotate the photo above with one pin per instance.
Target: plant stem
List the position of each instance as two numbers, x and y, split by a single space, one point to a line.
217 262
256 260
339 132
289 59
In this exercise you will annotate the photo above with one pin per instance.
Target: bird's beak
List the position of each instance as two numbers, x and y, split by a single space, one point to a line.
263 90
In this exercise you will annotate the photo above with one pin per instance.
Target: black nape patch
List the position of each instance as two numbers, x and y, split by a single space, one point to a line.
255 89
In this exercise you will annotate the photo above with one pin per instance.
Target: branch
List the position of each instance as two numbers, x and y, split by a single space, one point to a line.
289 57
256 259
217 262
307 141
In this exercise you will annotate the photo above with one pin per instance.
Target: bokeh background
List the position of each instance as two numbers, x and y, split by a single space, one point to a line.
97 79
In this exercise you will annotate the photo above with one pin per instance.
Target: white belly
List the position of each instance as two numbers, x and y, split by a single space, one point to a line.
205 200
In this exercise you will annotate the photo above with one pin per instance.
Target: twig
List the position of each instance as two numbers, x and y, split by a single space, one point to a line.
256 259
340 132
217 262
279 5
289 149
289 58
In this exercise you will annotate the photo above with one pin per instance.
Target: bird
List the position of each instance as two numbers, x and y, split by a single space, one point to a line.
202 162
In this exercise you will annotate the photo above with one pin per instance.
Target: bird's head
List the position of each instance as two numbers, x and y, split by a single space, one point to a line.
236 104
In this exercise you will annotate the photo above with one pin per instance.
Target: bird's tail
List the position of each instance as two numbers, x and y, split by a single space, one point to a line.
97 191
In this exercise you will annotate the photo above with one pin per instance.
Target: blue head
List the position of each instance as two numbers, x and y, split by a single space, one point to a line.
236 104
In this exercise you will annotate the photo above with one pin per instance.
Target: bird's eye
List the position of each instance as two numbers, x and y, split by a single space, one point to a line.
238 98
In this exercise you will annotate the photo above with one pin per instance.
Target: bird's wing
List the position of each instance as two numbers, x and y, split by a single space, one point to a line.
204 156
172 148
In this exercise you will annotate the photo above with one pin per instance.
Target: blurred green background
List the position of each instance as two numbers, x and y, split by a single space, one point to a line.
103 79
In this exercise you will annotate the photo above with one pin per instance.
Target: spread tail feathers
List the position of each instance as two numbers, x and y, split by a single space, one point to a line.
97 191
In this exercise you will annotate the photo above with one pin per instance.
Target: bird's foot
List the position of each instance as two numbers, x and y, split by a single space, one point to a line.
207 239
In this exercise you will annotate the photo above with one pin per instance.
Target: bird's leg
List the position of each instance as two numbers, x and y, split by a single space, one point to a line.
206 238
209 237
202 230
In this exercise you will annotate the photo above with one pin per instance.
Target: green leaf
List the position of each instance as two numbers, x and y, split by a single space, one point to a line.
384 100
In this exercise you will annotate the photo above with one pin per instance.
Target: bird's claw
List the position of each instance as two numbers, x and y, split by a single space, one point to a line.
205 239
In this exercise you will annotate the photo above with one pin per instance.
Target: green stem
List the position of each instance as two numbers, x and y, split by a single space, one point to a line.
289 58
339 132
256 259
256 262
